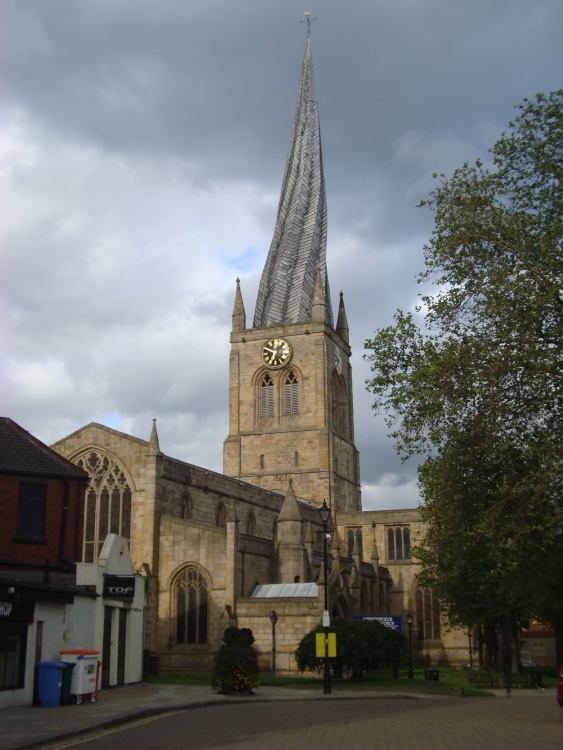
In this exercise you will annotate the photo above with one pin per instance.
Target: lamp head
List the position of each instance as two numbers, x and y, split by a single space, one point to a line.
324 512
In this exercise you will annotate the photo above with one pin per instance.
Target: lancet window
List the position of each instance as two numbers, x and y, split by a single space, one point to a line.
427 614
190 593
398 543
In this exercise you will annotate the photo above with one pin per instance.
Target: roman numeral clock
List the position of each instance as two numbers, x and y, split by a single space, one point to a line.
276 353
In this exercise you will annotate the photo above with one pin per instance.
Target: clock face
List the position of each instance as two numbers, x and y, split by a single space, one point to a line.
276 353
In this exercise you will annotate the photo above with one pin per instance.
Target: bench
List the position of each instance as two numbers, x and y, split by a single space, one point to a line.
482 680
521 681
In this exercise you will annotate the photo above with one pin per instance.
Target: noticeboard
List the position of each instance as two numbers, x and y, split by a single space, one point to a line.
393 622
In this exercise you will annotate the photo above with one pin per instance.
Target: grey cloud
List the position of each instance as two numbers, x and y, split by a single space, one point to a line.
146 146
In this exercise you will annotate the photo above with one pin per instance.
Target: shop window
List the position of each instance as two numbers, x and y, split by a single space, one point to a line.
13 641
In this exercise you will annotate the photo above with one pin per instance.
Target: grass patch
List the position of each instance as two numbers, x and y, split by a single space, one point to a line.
449 679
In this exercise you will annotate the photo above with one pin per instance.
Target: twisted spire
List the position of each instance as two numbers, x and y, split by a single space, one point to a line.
298 248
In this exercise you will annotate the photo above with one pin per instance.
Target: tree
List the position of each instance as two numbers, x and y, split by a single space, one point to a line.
361 646
472 383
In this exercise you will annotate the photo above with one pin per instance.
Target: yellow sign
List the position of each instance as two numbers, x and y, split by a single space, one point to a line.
321 646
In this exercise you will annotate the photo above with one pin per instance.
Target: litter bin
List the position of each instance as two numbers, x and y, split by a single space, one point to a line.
67 681
84 681
432 674
49 683
537 679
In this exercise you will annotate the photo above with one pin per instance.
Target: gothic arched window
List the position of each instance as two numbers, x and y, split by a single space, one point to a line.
188 507
398 543
220 516
427 614
291 394
340 411
108 503
191 600
251 523
266 396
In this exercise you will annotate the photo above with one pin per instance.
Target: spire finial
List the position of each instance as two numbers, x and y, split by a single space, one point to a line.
308 18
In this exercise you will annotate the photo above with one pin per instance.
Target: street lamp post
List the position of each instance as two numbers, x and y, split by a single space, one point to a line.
324 512
409 623
273 620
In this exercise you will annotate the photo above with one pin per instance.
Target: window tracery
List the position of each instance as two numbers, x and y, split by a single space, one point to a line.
108 503
190 594
398 543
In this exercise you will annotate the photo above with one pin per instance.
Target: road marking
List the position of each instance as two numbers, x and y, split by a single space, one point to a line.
94 735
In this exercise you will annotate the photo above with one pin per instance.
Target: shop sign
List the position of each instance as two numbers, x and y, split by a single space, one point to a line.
13 609
119 587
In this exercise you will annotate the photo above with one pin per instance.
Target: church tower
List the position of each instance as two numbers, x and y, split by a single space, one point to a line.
290 379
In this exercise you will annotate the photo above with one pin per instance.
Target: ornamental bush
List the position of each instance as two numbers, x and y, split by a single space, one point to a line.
236 663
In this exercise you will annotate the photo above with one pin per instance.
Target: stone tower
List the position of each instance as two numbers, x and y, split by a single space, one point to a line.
290 386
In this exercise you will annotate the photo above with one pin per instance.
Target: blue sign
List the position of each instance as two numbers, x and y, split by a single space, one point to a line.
394 622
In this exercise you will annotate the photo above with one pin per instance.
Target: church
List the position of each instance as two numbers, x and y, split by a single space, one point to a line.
228 549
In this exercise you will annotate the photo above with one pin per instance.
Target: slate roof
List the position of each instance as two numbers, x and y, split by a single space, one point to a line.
21 453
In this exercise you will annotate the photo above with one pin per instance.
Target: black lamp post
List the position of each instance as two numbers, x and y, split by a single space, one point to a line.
324 512
409 623
273 620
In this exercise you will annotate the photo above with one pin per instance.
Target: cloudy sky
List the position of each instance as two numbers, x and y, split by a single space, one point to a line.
143 148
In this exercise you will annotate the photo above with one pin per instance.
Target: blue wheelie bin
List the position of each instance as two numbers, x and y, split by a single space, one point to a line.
49 682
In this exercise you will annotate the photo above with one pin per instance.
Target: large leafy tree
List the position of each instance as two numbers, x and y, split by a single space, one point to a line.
361 646
471 383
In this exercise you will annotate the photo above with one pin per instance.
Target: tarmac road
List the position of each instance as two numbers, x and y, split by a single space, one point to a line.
346 723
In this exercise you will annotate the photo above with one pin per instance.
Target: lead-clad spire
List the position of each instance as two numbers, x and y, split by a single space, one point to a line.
298 247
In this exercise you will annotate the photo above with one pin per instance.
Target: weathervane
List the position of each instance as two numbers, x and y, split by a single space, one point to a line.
308 18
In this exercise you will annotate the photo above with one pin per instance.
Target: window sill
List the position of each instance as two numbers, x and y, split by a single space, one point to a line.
28 540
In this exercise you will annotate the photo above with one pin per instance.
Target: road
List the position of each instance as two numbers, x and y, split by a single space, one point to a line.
355 724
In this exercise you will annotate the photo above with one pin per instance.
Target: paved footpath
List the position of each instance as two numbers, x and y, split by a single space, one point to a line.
282 718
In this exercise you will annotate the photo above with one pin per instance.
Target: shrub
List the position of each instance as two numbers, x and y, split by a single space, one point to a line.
236 663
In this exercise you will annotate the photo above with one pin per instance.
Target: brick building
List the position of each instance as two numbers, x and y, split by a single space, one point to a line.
41 523
46 604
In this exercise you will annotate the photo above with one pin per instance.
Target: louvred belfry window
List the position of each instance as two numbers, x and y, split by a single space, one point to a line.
266 397
291 394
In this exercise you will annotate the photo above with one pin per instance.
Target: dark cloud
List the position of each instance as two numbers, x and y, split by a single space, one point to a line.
146 142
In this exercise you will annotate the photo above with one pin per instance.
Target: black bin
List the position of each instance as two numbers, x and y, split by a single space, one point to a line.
432 674
66 683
